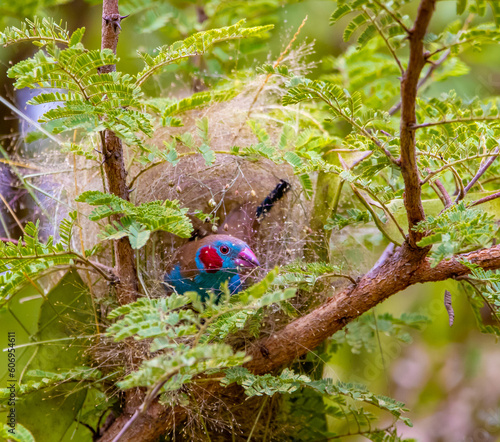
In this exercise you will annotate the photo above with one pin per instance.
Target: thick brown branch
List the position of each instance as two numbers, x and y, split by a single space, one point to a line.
409 85
403 269
114 164
423 80
406 267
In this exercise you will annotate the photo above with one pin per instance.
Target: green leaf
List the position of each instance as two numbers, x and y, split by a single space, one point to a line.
340 12
66 313
30 259
40 32
456 228
17 434
354 25
197 44
140 221
138 235
461 6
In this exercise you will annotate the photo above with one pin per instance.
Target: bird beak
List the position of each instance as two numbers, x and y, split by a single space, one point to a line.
246 258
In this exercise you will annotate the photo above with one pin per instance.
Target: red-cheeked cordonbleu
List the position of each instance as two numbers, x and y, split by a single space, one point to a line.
202 265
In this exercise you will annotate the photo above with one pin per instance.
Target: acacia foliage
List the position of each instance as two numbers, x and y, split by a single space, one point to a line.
185 338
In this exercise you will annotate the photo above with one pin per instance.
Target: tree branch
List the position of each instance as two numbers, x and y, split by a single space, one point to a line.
114 165
454 163
444 193
434 64
405 267
456 120
485 199
423 80
409 86
479 174
386 41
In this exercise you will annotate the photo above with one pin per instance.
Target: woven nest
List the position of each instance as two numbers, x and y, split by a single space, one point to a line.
222 187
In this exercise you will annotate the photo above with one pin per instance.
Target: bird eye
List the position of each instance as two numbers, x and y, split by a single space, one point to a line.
224 250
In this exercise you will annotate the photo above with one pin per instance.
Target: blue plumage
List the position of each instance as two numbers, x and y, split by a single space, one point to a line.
205 264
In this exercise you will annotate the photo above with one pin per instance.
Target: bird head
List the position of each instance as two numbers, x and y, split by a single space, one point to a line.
224 252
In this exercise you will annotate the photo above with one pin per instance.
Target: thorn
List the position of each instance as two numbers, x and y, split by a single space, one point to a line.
123 17
115 20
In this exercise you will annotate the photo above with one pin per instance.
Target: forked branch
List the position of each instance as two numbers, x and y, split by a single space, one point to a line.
405 267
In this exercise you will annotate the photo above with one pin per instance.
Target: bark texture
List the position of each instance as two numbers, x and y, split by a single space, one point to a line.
114 165
409 86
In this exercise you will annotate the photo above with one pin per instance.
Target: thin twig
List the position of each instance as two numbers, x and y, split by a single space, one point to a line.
31 122
387 43
362 199
257 418
444 192
423 80
434 65
337 275
456 120
387 212
12 213
106 272
147 401
13 241
454 163
439 194
338 109
393 15
82 246
376 219
16 163
492 310
479 174
485 199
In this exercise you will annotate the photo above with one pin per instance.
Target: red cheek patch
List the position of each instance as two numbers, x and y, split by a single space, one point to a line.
210 259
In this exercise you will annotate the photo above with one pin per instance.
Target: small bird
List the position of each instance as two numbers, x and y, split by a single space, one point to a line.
204 264
208 262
